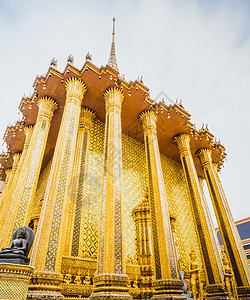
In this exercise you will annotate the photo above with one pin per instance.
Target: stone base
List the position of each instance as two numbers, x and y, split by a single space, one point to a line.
14 281
216 292
218 298
169 297
110 286
16 259
243 292
168 289
45 285
76 290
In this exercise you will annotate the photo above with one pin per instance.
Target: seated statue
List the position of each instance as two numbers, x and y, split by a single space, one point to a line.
19 248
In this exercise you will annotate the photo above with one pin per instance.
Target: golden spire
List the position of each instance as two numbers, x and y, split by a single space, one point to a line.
112 58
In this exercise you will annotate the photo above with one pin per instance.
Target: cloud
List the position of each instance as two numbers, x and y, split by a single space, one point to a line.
194 50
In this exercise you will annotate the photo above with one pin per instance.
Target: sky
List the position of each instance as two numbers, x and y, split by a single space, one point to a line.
194 50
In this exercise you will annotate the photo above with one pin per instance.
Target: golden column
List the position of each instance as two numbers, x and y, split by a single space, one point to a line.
208 246
16 158
4 193
23 195
229 233
53 223
7 196
141 216
209 217
167 283
77 210
7 181
111 279
10 174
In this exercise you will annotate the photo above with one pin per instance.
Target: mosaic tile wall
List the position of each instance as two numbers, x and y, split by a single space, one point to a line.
134 189
180 209
41 187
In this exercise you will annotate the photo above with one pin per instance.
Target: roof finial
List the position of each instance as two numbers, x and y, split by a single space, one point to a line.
112 58
113 40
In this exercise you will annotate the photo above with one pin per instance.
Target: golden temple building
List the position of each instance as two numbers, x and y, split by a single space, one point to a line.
111 182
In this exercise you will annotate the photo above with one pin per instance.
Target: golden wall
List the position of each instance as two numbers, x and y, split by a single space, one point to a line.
134 190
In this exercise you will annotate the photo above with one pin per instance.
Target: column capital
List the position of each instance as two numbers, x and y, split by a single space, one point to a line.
28 130
87 116
47 106
75 88
47 103
182 141
148 119
113 98
205 156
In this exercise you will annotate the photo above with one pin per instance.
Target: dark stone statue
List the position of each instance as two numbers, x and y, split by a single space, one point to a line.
19 249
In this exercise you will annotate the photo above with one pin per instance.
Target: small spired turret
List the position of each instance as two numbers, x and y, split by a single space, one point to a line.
112 58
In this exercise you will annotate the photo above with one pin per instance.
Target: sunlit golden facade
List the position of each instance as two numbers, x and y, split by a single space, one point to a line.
112 184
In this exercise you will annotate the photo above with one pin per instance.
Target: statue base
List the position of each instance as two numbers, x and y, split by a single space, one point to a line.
45 285
16 259
110 286
14 281
168 289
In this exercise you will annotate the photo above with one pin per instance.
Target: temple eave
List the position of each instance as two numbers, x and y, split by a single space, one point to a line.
172 117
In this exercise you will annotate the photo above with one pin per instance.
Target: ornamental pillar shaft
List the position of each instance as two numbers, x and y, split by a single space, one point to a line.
229 233
78 210
209 217
209 248
53 222
4 193
8 173
7 197
9 180
16 159
111 278
23 195
167 281
111 254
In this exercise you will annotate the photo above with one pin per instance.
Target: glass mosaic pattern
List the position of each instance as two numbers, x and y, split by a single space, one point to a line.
134 190
92 197
180 209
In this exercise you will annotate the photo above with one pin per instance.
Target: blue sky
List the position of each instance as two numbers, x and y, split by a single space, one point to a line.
198 51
